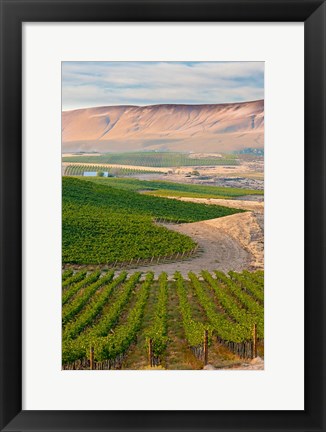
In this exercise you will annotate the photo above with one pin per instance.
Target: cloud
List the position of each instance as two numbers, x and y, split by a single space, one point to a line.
86 84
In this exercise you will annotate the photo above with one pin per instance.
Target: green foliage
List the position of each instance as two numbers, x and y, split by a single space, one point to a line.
110 319
158 329
89 193
93 309
154 159
73 278
73 289
111 326
247 300
78 170
67 274
125 333
97 236
103 225
110 345
226 329
100 174
239 314
166 188
249 284
257 278
194 330
74 307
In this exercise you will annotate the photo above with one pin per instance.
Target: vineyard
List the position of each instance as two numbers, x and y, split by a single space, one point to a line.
173 189
78 170
133 321
106 225
153 159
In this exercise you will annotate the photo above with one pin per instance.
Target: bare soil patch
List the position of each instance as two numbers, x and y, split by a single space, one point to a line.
247 229
254 364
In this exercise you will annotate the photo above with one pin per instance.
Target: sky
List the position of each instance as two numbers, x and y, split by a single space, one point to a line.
91 84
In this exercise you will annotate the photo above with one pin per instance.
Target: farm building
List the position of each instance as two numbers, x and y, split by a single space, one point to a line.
94 174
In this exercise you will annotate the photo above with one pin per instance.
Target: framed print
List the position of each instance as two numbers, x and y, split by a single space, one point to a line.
162 219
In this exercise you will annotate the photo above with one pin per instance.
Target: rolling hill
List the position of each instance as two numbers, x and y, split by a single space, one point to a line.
102 224
183 128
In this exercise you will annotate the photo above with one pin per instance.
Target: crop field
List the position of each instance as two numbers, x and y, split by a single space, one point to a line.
154 159
78 170
107 225
166 188
133 321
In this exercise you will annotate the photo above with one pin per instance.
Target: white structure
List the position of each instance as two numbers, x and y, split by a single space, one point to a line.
94 174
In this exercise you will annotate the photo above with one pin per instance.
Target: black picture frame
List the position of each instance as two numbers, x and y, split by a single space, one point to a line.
13 14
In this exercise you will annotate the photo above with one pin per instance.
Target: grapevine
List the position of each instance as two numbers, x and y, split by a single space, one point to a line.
248 285
74 278
66 274
73 308
241 316
117 343
194 330
158 330
93 310
73 289
224 328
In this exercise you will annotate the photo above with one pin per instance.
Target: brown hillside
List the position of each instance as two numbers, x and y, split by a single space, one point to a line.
210 128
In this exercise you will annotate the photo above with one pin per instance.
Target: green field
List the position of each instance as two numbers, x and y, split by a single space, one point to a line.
117 316
166 188
153 159
103 224
78 170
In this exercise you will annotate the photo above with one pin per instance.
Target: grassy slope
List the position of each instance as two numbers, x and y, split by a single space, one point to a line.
102 224
173 189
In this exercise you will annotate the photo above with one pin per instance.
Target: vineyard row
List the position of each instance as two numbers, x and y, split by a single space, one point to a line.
103 316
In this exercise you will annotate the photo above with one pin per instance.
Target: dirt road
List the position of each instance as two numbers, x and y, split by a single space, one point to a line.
218 251
233 242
